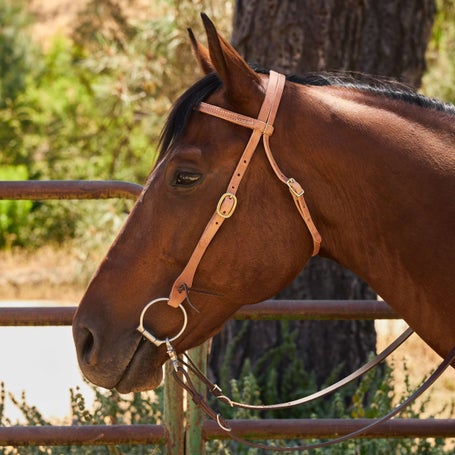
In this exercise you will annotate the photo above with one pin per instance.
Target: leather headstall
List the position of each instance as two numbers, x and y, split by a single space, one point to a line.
262 127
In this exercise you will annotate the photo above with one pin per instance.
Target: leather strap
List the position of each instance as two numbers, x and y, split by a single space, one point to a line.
183 378
262 127
217 392
233 117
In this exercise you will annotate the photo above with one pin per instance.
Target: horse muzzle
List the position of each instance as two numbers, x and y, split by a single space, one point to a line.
124 361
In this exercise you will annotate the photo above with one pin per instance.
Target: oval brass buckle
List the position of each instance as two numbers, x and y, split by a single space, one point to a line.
226 205
156 341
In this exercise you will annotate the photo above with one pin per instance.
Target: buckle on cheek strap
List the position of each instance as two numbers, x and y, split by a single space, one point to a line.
226 205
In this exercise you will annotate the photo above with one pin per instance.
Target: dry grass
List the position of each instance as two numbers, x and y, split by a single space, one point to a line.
421 360
49 273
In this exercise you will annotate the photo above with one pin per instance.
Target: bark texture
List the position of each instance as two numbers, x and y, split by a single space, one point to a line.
386 38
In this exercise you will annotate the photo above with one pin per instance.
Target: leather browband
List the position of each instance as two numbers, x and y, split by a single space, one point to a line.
262 127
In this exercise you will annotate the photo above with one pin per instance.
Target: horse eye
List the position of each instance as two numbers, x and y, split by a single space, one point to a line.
183 178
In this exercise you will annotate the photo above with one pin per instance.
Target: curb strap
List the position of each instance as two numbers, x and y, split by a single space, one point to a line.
262 127
182 377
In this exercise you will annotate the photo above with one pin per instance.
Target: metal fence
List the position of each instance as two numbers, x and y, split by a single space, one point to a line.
184 429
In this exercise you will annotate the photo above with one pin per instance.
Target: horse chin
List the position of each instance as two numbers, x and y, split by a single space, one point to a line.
144 372
141 383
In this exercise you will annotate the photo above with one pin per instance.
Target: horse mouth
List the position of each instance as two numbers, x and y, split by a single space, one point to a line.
144 370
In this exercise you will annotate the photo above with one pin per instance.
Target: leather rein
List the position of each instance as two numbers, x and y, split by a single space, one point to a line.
262 128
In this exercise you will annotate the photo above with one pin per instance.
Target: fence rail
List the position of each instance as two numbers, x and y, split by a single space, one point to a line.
194 429
256 429
172 435
68 189
269 309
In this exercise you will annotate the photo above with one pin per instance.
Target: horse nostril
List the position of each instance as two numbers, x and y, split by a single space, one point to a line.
88 347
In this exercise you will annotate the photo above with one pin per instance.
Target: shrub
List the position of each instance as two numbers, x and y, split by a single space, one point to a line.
109 408
13 214
16 49
371 398
440 56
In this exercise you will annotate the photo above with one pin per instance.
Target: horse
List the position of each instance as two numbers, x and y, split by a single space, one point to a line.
237 203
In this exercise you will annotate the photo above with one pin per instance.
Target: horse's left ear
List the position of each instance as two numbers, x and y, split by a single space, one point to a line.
202 54
239 80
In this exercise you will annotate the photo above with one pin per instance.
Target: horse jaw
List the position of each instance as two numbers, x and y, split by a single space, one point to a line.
142 373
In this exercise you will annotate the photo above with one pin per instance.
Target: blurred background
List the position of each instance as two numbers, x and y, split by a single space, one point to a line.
85 87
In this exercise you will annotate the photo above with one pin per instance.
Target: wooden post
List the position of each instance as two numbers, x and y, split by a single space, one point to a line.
195 444
173 413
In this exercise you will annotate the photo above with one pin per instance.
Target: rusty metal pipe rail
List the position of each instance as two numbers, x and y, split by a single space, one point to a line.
329 428
68 189
37 316
251 429
269 309
317 309
83 435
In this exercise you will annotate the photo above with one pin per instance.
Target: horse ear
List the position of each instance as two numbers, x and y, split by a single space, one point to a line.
239 80
202 54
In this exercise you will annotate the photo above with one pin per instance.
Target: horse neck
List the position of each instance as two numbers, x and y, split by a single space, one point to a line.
375 181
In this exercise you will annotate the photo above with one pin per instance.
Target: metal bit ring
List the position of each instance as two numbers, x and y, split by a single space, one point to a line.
157 341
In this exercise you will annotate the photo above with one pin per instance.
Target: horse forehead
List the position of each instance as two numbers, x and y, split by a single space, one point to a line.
203 133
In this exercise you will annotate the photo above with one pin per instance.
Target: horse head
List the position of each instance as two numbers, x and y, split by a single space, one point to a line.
255 252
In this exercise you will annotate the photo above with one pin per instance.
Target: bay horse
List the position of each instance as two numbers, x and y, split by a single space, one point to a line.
377 164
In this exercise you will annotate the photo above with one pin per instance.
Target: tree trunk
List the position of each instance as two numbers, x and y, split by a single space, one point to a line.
386 38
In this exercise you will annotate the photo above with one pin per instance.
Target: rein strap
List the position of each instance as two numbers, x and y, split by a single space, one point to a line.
182 377
262 127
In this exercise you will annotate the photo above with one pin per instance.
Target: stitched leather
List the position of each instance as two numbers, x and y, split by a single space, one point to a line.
233 117
262 127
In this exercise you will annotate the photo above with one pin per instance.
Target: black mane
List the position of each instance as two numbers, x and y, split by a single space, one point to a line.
182 109
377 85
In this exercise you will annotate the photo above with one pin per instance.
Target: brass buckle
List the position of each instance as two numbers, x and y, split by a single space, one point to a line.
295 187
223 213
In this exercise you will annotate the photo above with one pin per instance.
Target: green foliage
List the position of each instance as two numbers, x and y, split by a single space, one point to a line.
295 382
17 61
92 108
109 408
438 82
15 49
373 397
13 214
